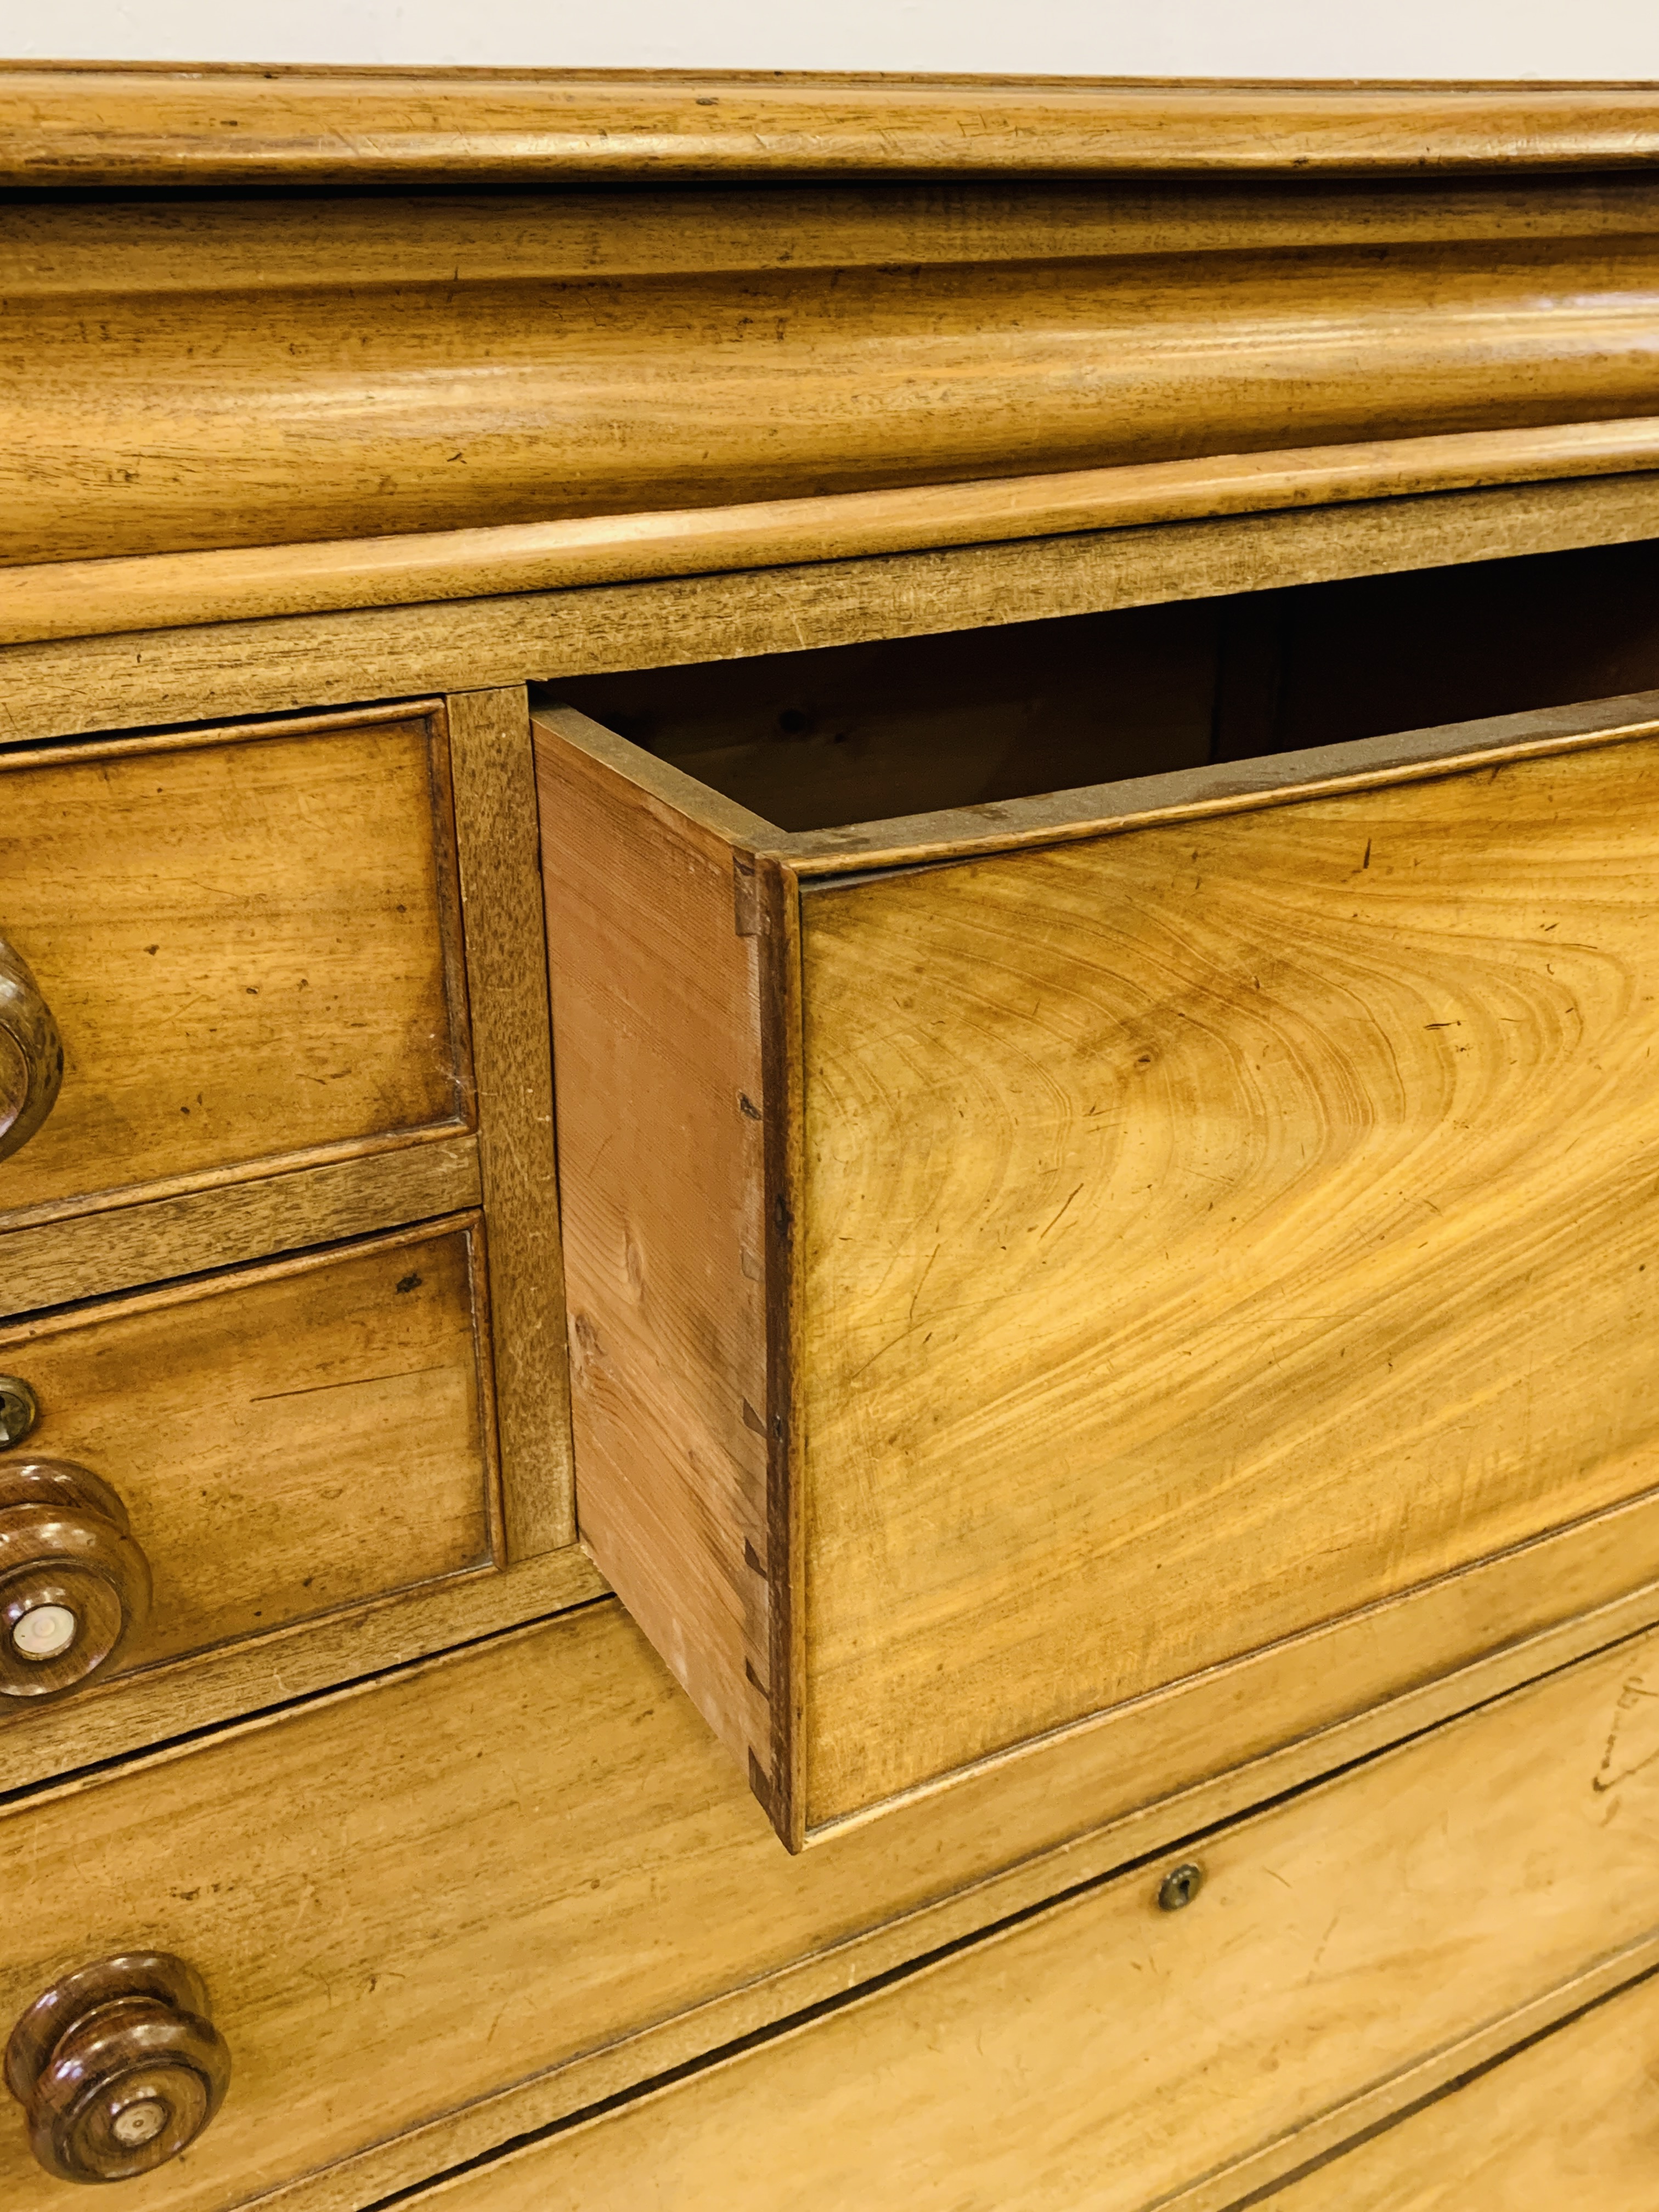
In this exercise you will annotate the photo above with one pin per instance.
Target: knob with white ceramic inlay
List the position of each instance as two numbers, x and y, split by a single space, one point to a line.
118 2067
74 1585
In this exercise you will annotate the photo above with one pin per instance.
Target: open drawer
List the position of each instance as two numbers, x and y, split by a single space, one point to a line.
1034 1252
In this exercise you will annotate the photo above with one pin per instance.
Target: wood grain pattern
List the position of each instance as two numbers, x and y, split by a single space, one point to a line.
102 597
257 668
1210 1229
1344 1947
289 1439
93 123
506 996
1569 2122
249 940
661 1085
458 405
123 1248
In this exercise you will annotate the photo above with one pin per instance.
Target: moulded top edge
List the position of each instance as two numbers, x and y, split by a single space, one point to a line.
834 857
117 126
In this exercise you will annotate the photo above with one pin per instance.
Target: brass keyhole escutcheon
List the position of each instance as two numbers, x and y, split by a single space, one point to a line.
1180 1887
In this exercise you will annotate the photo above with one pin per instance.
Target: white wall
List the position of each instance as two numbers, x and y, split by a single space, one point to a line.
1570 39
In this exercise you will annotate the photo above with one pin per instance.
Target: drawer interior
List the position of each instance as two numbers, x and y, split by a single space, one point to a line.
815 739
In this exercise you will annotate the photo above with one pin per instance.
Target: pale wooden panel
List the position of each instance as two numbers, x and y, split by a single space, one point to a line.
605 396
84 124
1569 2124
287 1440
506 998
1108 2054
1211 1230
260 666
660 1092
249 944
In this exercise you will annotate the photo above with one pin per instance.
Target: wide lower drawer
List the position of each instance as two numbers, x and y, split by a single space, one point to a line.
219 1460
1025 1256
246 940
527 1873
1338 1956
1568 2124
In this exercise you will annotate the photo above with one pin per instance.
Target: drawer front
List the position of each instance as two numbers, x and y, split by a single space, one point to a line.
513 1859
1569 2124
1038 1281
1113 2054
285 1440
248 942
1228 1226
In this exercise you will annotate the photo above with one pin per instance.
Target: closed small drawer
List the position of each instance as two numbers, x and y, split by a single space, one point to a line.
1029 1254
203 1464
243 944
469 1902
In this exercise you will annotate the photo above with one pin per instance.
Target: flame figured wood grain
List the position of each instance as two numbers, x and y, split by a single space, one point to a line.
1213 1229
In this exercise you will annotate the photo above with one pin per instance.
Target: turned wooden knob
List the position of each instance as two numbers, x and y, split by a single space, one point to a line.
118 2067
73 1583
31 1053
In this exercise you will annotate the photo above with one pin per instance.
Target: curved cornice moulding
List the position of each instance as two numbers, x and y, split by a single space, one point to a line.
92 125
907 336
86 598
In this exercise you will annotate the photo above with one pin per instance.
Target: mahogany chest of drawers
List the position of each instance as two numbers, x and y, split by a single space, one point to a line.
829 1142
